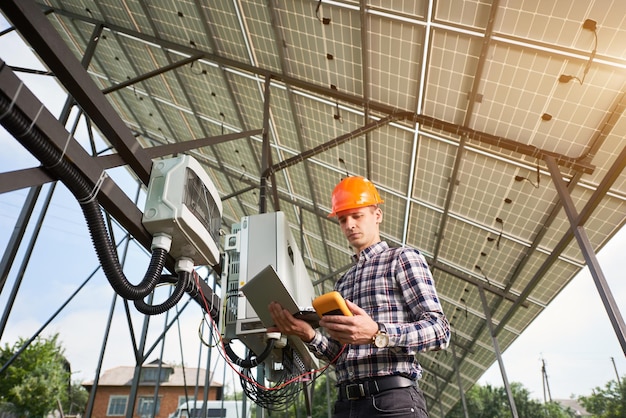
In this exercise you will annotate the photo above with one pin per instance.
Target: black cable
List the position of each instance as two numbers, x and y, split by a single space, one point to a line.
317 10
501 222
591 57
564 78
253 361
52 159
285 390
538 176
182 284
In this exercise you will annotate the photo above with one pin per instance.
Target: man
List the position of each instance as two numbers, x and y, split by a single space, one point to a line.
396 314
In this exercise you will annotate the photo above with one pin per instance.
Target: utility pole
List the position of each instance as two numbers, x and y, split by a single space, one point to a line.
546 385
619 381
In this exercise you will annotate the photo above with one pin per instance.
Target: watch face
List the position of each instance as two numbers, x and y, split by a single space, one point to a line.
381 340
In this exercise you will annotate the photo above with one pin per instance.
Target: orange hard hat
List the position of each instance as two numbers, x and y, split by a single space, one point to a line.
352 193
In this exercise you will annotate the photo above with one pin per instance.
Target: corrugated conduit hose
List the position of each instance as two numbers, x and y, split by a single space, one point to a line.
52 159
252 361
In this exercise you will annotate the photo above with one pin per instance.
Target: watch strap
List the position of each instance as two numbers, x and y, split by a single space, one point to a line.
382 330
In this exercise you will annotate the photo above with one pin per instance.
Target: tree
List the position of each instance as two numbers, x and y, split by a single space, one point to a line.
36 380
490 402
609 402
77 401
319 403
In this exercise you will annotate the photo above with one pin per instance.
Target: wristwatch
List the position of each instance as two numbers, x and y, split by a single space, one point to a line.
381 338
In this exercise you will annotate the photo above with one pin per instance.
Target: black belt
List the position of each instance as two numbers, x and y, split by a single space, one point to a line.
367 388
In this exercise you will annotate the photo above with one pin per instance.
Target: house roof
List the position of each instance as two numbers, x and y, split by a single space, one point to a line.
123 376
575 406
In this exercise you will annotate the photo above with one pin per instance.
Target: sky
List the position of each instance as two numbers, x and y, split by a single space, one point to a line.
572 337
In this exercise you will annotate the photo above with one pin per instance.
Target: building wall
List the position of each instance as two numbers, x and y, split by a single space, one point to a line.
168 395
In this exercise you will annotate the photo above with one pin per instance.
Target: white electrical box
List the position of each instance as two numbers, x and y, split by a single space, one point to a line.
264 254
266 239
183 203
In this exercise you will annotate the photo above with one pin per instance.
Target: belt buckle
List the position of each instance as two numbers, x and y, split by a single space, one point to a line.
355 391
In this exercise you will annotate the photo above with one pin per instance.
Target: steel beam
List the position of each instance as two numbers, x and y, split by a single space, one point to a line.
334 142
16 237
24 264
28 177
452 184
490 288
508 144
578 229
458 380
151 74
34 26
266 154
110 196
496 348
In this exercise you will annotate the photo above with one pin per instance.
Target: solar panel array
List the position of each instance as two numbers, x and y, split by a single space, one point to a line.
481 211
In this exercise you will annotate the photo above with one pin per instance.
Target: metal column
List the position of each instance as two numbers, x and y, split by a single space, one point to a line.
24 219
267 151
33 25
16 237
496 347
588 253
458 379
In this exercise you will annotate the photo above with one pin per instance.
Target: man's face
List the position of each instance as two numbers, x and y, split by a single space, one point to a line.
360 226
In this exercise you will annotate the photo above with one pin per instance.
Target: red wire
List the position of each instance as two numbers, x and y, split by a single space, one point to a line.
216 331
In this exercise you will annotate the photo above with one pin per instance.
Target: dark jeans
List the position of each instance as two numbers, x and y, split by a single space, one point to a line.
398 403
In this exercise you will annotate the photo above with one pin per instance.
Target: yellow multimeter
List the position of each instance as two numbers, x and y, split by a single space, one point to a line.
331 303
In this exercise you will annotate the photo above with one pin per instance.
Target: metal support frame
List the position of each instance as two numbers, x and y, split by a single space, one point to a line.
488 139
208 375
578 231
452 184
335 142
139 357
438 399
111 195
27 254
576 224
459 382
20 179
16 287
496 348
16 237
105 339
151 74
45 39
266 155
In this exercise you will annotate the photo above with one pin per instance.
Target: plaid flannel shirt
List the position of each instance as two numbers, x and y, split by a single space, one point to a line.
395 287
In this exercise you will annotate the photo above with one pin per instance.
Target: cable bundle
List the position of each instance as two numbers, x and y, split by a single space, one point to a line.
284 392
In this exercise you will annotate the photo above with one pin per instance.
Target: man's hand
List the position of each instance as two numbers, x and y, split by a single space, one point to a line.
288 325
356 329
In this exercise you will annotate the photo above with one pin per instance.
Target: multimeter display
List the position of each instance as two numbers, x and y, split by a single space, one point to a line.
331 303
